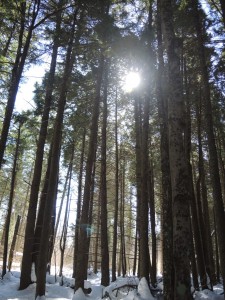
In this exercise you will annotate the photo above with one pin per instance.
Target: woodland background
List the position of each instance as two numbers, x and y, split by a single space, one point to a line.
105 178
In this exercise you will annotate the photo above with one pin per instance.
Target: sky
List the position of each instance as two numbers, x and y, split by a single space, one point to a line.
25 94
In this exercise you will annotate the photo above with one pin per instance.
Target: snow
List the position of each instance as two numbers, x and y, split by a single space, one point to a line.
128 288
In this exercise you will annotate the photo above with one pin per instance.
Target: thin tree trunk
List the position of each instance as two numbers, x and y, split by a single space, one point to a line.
138 132
97 237
144 211
153 271
66 216
103 188
115 225
79 200
10 204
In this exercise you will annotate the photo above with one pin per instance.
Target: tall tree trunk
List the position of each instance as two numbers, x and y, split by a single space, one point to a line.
55 156
103 188
79 200
153 271
97 237
213 157
82 254
25 279
178 164
115 224
167 214
138 132
122 218
10 204
144 212
21 55
195 213
202 200
66 217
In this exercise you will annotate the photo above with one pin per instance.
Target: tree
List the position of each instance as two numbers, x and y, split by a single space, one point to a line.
213 157
103 188
178 165
54 165
25 279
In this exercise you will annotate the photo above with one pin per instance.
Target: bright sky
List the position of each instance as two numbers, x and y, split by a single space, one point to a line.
25 94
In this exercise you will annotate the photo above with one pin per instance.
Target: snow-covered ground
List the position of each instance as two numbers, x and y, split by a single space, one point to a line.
123 289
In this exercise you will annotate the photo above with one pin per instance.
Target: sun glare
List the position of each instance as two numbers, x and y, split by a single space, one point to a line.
131 81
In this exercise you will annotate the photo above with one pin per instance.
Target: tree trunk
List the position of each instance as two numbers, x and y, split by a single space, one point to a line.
103 188
202 200
138 132
55 157
25 279
144 212
66 217
82 254
195 213
79 200
10 204
213 158
178 164
12 249
115 224
167 216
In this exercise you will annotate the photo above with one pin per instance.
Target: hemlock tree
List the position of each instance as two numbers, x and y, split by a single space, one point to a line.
178 165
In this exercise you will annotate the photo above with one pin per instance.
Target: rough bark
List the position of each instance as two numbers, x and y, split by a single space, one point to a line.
178 165
167 217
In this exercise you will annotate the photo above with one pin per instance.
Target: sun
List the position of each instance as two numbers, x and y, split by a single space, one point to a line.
131 81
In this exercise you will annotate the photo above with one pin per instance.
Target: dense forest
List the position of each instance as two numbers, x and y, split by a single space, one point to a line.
119 164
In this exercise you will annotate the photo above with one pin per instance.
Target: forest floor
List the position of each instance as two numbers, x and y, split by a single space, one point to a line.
128 288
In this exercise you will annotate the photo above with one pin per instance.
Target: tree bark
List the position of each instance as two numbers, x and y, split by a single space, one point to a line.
178 164
167 214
